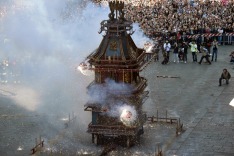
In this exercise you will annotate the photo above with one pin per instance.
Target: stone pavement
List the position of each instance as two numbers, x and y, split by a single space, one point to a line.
201 104
194 97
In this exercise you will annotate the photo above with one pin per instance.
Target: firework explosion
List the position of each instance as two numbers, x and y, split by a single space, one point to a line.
84 68
128 116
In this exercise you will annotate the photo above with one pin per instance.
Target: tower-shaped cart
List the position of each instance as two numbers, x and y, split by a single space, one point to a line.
117 64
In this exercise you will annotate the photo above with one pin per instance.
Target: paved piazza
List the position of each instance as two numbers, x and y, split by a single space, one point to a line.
194 97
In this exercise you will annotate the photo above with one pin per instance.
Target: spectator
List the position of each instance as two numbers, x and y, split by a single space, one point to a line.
165 58
199 42
232 57
167 48
220 31
208 43
167 19
215 50
225 75
184 48
205 54
175 52
194 50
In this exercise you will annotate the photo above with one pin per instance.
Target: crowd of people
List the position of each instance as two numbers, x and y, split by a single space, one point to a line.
171 23
208 50
181 16
175 20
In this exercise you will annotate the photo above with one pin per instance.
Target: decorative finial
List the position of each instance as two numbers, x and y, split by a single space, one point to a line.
117 6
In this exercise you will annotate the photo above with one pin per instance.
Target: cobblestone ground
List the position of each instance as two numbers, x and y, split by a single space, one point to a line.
201 104
194 97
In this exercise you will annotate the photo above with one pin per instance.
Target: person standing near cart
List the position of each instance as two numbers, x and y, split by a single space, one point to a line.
194 50
205 54
215 50
167 48
185 50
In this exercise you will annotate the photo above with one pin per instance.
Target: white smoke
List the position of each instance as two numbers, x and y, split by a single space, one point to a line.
47 40
99 93
139 37
126 113
105 95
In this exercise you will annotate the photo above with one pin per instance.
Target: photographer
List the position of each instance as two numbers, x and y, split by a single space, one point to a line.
205 54
225 75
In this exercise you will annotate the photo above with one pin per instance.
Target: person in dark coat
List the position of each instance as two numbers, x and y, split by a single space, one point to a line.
225 75
165 58
215 50
232 57
199 42
184 48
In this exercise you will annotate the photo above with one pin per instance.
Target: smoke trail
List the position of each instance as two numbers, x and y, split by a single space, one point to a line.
99 93
139 37
46 40
104 94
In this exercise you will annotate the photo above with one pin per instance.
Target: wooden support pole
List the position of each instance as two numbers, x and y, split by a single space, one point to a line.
155 151
40 144
179 127
73 115
158 151
36 141
123 75
157 115
92 138
166 115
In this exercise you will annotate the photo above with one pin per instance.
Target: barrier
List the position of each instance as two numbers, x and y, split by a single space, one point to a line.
158 152
166 119
197 35
210 35
40 144
70 120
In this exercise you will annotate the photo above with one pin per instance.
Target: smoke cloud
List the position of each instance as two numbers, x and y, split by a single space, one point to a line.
104 95
44 41
139 37
99 93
